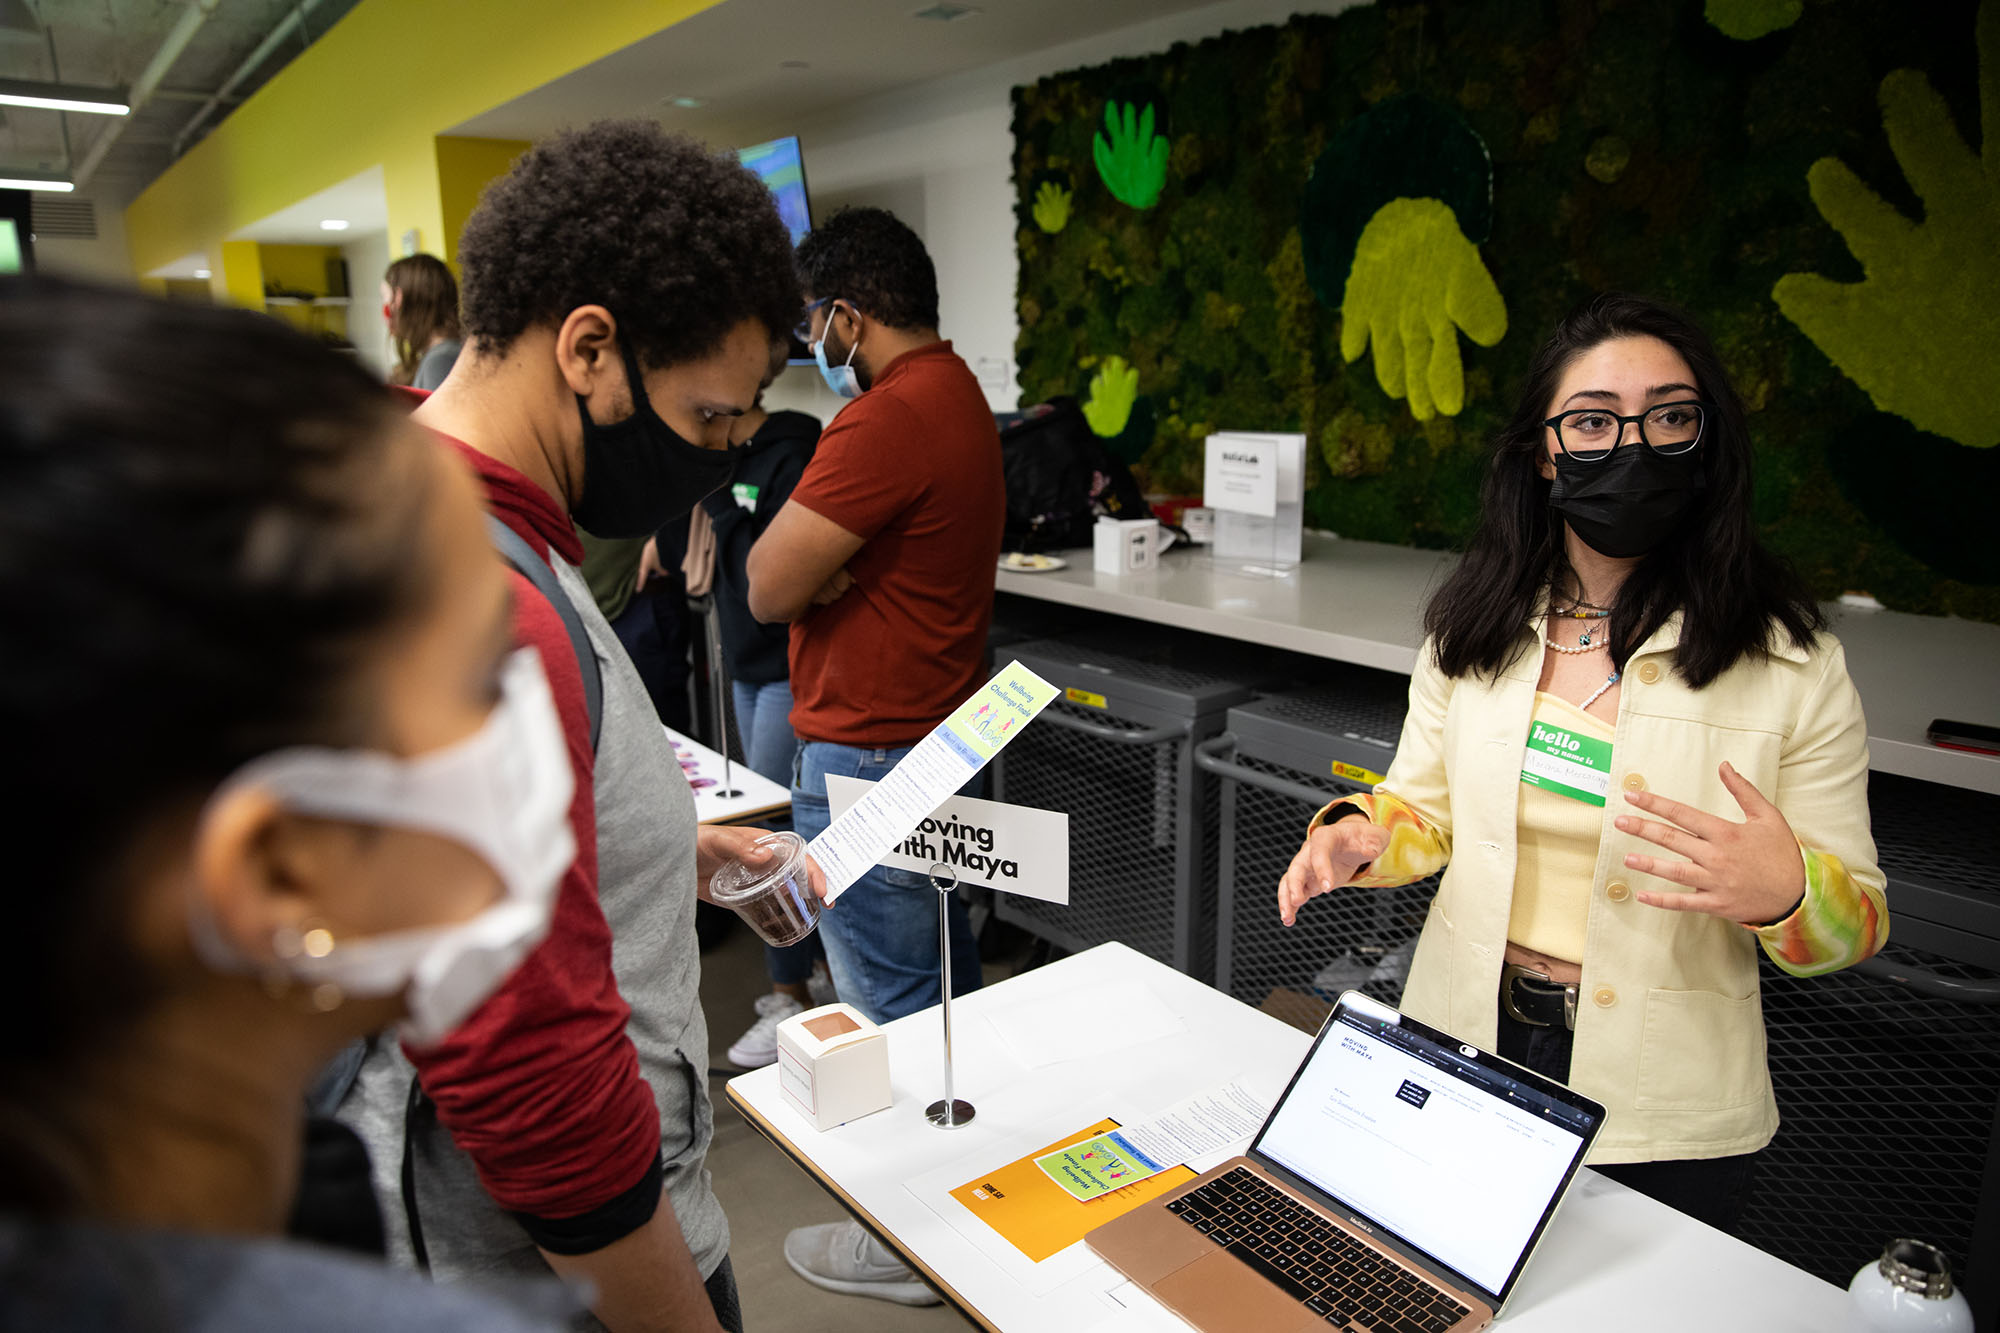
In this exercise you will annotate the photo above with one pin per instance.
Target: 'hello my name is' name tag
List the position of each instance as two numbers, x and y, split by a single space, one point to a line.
1566 763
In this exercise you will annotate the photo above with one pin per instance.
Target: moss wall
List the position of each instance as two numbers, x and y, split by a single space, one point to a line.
1629 144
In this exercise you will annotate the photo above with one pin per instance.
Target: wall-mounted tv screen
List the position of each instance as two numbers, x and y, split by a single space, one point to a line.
12 260
779 164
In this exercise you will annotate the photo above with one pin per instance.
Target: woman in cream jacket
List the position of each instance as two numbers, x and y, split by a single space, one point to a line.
1638 757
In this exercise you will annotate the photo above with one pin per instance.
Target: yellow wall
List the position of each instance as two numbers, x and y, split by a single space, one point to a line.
418 67
298 268
464 166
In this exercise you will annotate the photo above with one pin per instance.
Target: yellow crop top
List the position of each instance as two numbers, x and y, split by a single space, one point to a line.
1559 837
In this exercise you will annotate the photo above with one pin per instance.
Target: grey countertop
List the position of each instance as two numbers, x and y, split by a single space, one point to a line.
1361 602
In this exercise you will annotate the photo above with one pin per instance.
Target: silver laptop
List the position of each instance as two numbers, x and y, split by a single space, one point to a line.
1400 1185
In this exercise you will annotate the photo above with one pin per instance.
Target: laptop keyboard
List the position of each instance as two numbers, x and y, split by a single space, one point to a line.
1327 1269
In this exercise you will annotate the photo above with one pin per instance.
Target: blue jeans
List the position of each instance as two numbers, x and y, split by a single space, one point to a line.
882 936
764 722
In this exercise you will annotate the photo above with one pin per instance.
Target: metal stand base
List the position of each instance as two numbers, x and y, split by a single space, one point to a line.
959 1113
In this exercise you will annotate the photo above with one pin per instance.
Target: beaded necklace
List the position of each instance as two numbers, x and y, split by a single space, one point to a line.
1577 611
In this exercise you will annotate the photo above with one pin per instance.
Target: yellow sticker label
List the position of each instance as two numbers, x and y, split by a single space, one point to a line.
1084 697
1355 773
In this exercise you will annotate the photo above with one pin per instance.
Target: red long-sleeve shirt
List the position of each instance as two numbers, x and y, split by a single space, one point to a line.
542 1087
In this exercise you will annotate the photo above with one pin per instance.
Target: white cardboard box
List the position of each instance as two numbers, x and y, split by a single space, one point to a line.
833 1065
1124 546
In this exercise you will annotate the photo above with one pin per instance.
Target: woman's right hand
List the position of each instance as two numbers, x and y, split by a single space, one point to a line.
1328 859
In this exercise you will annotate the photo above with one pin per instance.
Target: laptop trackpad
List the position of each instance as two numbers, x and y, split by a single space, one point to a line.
1217 1291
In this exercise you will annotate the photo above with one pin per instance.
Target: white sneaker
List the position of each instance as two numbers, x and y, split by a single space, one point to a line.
820 986
759 1046
842 1257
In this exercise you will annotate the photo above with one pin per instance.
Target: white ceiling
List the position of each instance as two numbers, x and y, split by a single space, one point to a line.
358 201
734 57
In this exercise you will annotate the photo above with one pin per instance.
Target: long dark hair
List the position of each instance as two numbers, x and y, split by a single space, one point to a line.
1733 594
207 524
428 310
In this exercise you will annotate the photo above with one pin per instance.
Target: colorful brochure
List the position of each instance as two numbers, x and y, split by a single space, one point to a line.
1036 1216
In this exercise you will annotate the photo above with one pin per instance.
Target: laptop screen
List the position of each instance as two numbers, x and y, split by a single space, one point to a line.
1460 1155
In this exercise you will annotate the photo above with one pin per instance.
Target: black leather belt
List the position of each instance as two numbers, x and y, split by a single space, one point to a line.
1528 996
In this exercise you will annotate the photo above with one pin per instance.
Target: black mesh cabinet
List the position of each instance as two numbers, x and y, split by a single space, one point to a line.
1116 753
1888 1073
1282 758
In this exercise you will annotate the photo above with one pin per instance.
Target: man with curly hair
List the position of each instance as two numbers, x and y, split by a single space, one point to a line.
883 561
621 291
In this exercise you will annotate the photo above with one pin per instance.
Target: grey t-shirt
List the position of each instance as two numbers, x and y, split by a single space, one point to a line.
436 364
645 881
89 1279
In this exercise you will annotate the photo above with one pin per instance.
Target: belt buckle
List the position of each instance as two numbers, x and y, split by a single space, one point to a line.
1513 972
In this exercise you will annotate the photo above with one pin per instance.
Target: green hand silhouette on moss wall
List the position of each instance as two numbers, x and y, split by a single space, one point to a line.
1051 210
1113 390
1133 160
1416 281
1918 333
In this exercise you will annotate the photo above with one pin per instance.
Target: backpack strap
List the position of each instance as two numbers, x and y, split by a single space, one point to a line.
522 558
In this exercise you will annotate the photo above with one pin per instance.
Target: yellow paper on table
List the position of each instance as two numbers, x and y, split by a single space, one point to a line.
1037 1216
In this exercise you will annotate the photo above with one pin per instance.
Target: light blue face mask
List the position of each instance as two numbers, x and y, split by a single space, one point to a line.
842 379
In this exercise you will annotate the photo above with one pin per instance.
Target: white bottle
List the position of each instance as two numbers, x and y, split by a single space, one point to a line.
1907 1290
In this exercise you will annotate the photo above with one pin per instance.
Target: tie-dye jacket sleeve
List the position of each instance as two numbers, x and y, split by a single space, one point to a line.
1413 802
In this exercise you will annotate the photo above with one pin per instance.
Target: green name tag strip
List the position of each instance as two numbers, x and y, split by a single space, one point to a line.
1567 763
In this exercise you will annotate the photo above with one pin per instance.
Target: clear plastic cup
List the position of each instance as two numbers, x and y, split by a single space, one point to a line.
775 897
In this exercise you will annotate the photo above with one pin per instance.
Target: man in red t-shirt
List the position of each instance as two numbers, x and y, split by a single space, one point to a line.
883 560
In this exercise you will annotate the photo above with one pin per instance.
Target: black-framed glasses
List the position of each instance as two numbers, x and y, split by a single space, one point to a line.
804 332
1589 434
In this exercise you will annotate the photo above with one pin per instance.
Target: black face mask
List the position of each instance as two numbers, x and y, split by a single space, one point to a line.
1629 503
639 474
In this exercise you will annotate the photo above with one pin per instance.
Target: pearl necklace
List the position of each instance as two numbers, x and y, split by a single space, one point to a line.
1583 644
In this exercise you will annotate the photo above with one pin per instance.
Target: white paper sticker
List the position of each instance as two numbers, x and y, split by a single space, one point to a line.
1012 848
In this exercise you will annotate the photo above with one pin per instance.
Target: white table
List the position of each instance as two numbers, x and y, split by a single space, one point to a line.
1362 602
756 798
1613 1259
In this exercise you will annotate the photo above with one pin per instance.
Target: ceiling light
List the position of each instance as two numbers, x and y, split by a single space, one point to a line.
203 275
946 13
64 97
28 181
333 224
685 103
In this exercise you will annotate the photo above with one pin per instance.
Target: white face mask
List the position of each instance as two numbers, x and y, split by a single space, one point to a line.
503 791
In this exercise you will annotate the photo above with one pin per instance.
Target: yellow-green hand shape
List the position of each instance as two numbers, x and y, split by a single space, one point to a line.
1052 207
1415 282
1113 390
1919 331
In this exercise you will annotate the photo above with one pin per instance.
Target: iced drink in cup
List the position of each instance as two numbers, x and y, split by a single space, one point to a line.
775 897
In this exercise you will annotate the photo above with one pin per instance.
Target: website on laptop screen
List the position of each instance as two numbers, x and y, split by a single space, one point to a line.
1457 1159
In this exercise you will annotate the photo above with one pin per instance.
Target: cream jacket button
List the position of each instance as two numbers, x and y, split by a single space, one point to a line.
1649 673
1634 782
1605 997
1617 891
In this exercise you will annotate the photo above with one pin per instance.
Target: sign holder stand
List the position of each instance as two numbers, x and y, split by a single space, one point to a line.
949 1112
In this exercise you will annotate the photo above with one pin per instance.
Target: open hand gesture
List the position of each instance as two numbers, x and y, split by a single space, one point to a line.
1330 857
1751 872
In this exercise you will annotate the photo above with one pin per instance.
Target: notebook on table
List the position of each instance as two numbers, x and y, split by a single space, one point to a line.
1400 1185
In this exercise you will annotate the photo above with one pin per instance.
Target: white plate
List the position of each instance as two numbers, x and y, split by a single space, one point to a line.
1032 564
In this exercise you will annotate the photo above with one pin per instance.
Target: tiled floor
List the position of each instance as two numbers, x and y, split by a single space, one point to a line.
766 1196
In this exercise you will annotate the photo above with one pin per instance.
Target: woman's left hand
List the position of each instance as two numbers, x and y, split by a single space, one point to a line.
1750 872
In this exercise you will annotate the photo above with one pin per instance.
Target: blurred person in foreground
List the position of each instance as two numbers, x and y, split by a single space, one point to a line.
280 780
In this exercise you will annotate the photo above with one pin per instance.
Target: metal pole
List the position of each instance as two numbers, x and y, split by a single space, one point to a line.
949 1113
